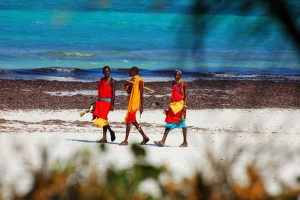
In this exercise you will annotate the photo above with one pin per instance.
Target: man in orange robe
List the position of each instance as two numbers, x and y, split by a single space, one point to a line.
135 89
104 104
175 117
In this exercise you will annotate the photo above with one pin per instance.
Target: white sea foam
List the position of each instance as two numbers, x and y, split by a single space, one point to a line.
73 93
55 78
78 54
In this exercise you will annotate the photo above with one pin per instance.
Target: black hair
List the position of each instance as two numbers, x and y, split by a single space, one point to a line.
177 71
135 69
103 69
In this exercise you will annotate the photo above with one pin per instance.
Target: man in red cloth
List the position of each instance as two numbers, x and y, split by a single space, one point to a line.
135 89
175 116
105 103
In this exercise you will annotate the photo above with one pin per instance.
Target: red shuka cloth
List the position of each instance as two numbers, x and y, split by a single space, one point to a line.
131 117
102 108
176 96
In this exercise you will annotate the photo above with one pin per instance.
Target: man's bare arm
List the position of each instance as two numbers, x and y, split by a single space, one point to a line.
141 87
113 88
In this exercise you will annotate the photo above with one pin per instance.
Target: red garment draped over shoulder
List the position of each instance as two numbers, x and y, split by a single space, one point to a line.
177 92
102 106
104 89
176 96
134 99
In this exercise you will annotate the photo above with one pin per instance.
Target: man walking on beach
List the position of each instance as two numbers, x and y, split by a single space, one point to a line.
105 103
176 114
135 89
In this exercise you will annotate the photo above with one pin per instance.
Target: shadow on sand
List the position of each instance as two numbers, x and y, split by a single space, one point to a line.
95 141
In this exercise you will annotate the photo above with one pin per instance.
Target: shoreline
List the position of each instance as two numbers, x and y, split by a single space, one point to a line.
203 94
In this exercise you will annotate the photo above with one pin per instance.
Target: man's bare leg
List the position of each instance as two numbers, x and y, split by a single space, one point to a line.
138 127
162 142
112 133
104 132
184 132
167 130
103 139
125 142
127 131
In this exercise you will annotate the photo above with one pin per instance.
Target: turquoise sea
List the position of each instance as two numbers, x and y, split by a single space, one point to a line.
72 40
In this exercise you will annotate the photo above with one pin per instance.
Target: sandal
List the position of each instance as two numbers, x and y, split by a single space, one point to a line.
144 141
102 141
123 143
112 136
159 143
183 145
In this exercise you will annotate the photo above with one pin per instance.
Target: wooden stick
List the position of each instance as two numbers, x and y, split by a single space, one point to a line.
144 86
90 110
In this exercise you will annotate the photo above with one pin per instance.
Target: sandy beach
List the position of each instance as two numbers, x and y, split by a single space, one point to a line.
259 118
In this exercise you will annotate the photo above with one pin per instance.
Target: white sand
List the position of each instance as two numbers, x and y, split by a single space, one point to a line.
270 137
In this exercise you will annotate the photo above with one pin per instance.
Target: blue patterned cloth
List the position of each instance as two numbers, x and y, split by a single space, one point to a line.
104 99
176 125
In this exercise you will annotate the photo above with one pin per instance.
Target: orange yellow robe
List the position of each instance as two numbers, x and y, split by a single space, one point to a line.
134 99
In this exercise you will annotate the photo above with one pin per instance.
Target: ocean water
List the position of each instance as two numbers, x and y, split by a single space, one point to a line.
73 40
